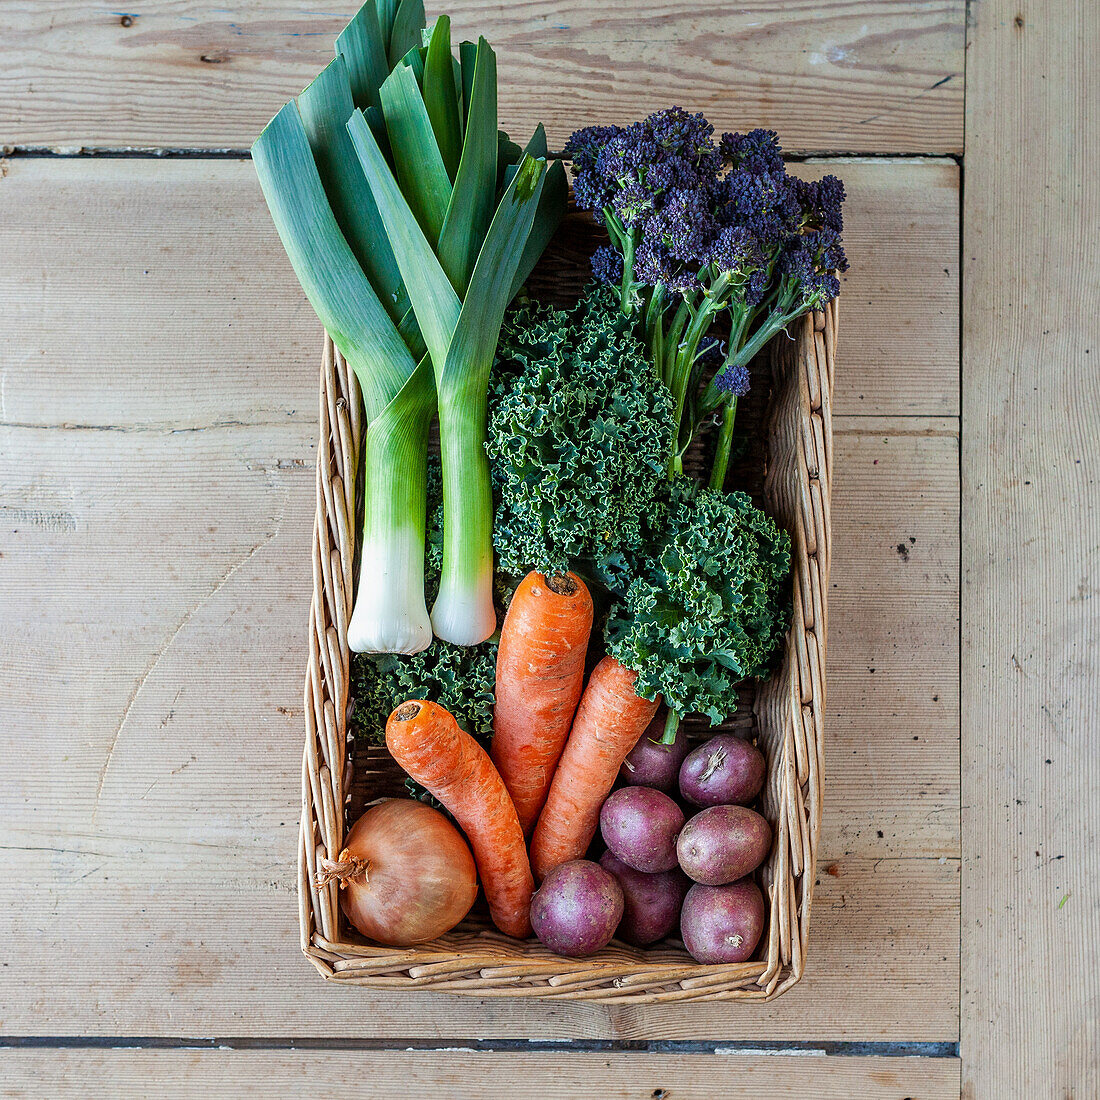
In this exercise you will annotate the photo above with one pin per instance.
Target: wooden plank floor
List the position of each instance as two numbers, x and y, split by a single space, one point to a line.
853 75
157 435
1031 670
466 1075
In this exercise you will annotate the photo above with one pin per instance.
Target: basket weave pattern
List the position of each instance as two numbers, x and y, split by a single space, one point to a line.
789 717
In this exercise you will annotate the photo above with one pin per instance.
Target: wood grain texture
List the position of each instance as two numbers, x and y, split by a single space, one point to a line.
1031 539
154 809
466 1075
118 270
849 76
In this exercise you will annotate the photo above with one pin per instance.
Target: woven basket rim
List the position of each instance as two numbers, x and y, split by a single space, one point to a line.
789 710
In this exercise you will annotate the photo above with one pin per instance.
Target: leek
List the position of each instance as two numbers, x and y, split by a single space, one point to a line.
411 222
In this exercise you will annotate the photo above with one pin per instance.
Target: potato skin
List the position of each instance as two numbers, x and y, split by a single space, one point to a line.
640 825
577 908
723 844
651 903
651 764
723 924
723 771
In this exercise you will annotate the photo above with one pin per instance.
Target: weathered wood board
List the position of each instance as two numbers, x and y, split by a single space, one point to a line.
877 76
466 1075
1031 539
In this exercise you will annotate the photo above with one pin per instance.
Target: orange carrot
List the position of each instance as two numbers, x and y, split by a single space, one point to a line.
609 721
427 742
540 674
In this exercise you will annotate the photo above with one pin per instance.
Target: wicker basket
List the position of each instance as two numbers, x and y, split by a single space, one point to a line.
787 712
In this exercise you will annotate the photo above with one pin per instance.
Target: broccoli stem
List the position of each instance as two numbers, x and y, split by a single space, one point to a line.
626 289
655 332
686 354
672 724
783 313
722 449
672 343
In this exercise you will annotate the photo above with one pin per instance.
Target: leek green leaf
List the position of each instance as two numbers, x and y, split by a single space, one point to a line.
440 96
433 298
408 23
473 199
325 265
387 9
419 166
415 60
363 49
325 107
467 53
536 147
409 328
548 216
511 154
478 327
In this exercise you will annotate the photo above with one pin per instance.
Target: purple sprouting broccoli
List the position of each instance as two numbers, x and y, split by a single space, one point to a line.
607 264
651 184
756 151
707 234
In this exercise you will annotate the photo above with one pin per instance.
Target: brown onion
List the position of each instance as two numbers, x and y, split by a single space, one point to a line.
406 874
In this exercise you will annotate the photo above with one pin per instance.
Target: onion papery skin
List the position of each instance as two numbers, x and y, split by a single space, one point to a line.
421 879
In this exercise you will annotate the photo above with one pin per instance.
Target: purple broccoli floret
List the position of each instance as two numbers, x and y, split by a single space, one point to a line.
765 203
810 261
682 147
591 190
821 203
630 169
734 379
757 151
735 249
684 227
607 264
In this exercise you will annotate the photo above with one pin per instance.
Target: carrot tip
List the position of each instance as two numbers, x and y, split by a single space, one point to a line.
406 712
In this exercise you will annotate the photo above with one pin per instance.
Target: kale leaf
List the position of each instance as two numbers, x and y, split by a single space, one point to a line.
460 678
706 602
580 434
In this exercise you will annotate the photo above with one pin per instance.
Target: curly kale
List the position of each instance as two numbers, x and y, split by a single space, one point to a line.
460 678
706 604
580 435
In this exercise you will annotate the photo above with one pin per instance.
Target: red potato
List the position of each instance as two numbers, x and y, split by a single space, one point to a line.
651 764
640 826
722 924
722 771
577 908
651 903
723 843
